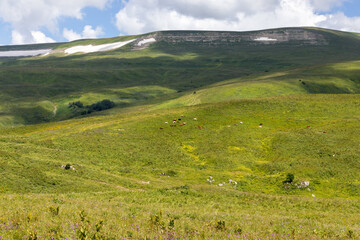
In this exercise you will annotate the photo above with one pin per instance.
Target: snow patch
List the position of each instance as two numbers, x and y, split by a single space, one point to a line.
24 53
97 48
145 41
265 39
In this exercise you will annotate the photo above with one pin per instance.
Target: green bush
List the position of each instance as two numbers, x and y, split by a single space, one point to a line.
289 178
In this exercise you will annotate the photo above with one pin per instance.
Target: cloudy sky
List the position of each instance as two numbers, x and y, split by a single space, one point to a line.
38 21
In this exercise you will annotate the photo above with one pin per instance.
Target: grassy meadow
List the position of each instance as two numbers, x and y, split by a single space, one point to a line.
204 142
128 171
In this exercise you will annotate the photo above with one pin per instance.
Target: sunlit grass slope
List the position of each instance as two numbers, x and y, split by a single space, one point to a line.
128 168
331 78
313 137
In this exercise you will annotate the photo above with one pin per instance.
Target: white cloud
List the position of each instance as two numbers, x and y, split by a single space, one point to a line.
341 22
27 16
70 34
326 5
40 37
140 16
37 37
17 38
88 32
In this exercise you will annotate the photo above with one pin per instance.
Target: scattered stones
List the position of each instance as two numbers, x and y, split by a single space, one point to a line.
232 182
68 167
210 179
303 184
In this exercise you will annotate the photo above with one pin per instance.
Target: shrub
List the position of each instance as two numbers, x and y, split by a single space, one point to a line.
156 220
289 178
54 210
77 104
171 223
171 173
79 107
220 225
100 106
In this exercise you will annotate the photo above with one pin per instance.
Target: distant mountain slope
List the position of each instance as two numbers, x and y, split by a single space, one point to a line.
166 65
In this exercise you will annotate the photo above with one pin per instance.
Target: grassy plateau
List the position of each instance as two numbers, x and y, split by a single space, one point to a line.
207 140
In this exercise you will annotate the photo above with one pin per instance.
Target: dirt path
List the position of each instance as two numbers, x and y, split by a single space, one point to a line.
55 110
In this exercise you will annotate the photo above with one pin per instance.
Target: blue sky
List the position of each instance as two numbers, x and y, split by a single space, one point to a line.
35 21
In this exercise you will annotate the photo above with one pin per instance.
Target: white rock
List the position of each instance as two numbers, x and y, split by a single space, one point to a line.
265 39
145 41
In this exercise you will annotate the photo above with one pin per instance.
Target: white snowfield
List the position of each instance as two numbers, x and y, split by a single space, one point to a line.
265 39
145 41
24 53
97 48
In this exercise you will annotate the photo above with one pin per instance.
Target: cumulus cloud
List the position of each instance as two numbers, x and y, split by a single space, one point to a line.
27 16
139 16
88 32
37 36
326 5
341 22
40 37
71 35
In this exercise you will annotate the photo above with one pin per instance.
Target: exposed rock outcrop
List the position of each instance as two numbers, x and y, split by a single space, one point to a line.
298 36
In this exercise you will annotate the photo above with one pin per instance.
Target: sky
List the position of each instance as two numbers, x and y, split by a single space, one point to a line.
43 21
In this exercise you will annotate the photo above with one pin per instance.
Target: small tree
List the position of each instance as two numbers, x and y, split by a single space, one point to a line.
289 178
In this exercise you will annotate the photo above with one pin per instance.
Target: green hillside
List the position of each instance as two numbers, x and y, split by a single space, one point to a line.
171 69
213 135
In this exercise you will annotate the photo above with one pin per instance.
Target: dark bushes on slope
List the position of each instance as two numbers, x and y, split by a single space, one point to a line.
95 107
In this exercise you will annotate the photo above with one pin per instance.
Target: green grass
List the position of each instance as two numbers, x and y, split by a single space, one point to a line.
181 67
262 112
116 155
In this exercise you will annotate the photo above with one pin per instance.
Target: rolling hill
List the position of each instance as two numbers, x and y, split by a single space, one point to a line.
175 64
214 135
